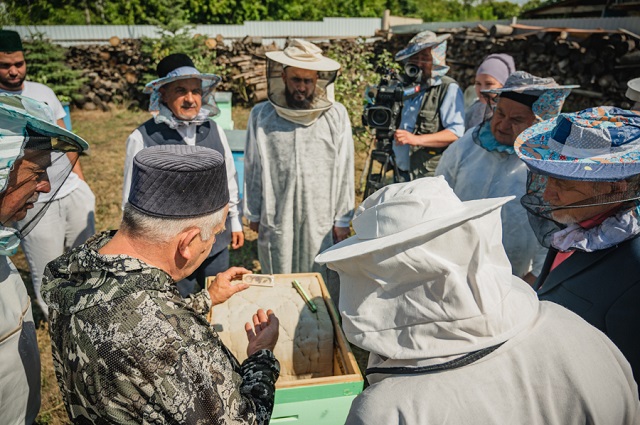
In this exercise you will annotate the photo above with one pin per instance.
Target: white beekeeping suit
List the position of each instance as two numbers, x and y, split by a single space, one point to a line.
479 166
475 173
427 290
299 181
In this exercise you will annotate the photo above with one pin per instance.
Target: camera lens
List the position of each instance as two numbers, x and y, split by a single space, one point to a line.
379 117
411 70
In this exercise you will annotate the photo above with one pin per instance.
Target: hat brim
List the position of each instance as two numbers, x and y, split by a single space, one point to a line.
323 65
44 127
522 89
633 94
212 79
355 247
416 48
531 144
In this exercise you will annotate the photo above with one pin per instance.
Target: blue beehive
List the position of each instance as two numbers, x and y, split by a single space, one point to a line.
236 139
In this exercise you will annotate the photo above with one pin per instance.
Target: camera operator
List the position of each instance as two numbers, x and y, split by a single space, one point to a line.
434 119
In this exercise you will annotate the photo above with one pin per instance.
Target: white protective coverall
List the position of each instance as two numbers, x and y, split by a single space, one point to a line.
525 381
299 183
428 287
475 173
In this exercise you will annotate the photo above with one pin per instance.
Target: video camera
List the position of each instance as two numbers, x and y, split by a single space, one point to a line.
384 109
383 114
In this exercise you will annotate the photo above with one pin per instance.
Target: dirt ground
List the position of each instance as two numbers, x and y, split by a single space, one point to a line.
106 133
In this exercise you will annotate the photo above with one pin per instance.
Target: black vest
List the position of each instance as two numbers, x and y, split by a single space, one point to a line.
422 160
429 117
207 136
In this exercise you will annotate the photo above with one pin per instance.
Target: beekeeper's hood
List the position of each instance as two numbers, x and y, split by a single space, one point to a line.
301 98
28 132
425 279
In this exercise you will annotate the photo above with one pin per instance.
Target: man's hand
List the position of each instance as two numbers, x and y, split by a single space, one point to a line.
221 288
340 233
237 239
403 137
255 226
264 332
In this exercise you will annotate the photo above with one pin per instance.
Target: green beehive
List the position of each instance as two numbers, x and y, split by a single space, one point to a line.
326 400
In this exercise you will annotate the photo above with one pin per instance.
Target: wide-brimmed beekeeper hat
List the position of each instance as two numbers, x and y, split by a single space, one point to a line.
400 213
419 42
633 89
175 67
544 96
26 124
305 55
426 277
597 144
21 118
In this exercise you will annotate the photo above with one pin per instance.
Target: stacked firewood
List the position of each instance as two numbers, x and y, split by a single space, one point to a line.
600 62
245 68
113 73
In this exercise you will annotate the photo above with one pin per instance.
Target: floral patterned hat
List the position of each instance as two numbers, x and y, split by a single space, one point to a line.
421 41
597 144
550 95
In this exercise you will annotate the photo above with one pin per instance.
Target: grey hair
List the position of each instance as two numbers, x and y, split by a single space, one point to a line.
138 224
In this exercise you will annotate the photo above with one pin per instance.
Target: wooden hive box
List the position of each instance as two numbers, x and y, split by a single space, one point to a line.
322 400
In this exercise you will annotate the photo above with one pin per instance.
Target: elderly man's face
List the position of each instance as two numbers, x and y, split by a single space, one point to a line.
27 179
300 86
13 70
510 118
560 192
183 98
424 60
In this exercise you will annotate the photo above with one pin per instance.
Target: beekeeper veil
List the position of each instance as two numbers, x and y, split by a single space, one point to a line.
300 81
544 96
597 149
32 148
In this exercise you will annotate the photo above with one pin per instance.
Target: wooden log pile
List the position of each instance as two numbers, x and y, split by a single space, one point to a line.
245 69
117 72
600 62
114 73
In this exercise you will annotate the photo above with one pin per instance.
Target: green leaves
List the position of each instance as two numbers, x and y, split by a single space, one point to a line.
170 12
46 65
357 72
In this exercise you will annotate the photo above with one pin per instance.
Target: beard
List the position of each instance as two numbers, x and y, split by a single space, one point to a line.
12 85
563 217
293 103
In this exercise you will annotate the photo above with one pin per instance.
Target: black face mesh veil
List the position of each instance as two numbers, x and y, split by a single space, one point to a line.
35 162
485 125
547 214
58 165
277 94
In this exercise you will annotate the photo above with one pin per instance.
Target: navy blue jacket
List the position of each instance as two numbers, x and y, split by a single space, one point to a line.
603 287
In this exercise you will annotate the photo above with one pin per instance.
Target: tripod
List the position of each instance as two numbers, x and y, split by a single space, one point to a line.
382 154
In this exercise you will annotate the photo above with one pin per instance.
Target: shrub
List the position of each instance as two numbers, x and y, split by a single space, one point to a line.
46 65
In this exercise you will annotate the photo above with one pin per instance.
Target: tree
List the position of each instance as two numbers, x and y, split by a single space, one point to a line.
46 65
130 12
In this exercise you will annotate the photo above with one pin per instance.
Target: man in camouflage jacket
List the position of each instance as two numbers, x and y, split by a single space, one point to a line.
127 347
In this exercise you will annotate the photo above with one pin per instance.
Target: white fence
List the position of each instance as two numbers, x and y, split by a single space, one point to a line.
279 31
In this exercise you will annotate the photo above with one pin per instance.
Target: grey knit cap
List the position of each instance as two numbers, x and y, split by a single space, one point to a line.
178 181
